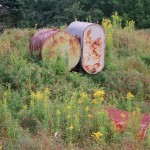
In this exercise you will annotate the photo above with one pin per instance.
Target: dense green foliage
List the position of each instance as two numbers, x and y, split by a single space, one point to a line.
27 13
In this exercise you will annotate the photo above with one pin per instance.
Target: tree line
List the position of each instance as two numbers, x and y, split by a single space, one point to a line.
43 13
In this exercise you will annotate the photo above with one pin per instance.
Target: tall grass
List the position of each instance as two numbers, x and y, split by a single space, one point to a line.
42 106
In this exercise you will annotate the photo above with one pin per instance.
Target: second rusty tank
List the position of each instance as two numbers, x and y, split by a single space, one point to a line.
54 43
92 39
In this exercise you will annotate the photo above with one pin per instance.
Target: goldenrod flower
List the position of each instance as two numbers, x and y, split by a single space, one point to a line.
138 109
71 127
1 147
80 101
106 23
130 96
25 107
84 95
97 136
69 107
46 91
33 95
39 96
122 115
109 26
101 99
87 108
99 93
68 116
100 112
94 101
89 116
58 112
76 116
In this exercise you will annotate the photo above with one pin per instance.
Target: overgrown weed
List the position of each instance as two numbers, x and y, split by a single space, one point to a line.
41 102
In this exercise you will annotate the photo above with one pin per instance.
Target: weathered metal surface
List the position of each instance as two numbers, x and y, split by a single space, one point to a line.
121 123
92 39
37 40
51 43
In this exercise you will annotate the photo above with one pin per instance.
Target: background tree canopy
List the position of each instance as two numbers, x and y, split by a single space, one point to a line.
27 13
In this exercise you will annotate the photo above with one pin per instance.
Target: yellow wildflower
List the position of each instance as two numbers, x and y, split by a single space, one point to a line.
97 136
68 116
84 95
46 91
76 116
80 101
39 96
109 26
33 95
122 115
71 127
99 93
89 116
101 99
94 101
100 112
138 109
25 107
87 108
69 107
130 96
58 112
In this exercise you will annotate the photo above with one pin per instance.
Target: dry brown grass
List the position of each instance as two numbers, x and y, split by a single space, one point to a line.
135 40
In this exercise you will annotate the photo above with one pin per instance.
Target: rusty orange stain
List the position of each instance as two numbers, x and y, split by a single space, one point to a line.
94 46
53 43
92 40
74 46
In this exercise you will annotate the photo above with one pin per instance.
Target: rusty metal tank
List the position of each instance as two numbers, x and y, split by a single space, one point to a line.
52 43
92 39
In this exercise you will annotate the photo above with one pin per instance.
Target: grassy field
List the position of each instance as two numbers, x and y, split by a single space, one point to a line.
45 107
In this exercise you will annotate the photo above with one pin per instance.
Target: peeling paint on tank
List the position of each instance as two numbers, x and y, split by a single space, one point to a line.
92 53
92 39
51 43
